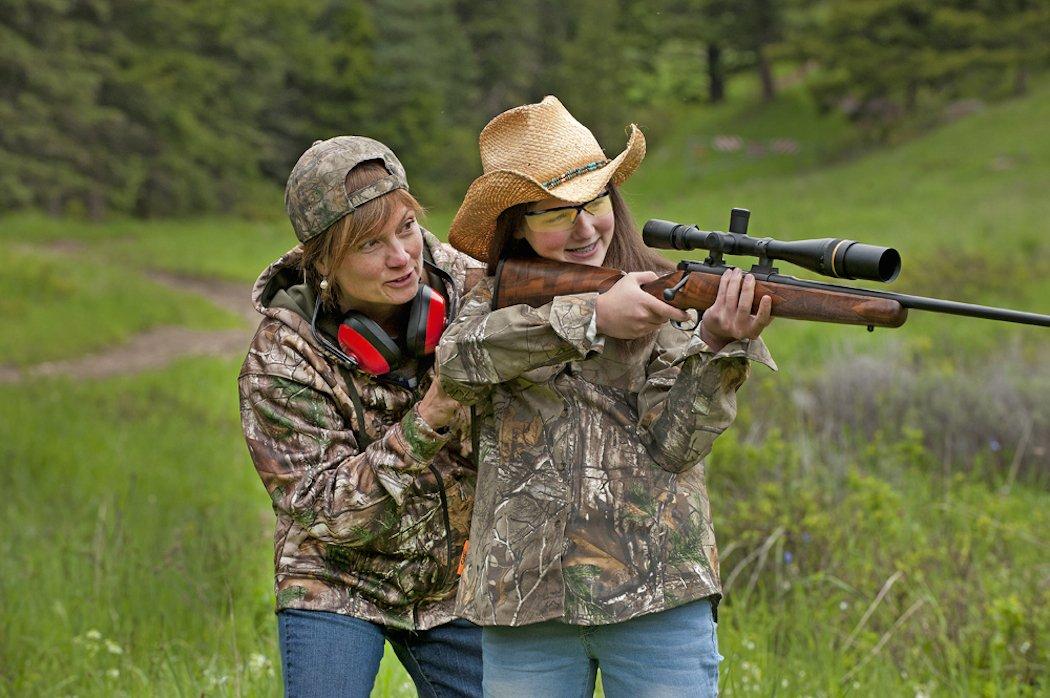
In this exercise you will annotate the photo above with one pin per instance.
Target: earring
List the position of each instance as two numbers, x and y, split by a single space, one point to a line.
324 284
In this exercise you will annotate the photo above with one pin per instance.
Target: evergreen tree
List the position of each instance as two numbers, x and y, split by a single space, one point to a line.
592 77
881 55
421 94
59 141
507 50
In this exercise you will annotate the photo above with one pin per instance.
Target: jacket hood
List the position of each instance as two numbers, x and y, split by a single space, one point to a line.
280 286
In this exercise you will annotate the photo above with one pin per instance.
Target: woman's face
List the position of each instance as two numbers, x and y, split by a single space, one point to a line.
382 273
584 240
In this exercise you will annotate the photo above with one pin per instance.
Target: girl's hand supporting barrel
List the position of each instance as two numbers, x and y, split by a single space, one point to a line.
625 311
730 317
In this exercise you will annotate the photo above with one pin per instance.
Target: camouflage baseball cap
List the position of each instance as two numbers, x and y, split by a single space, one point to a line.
316 195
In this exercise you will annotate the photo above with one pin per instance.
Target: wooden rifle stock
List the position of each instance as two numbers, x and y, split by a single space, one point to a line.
537 281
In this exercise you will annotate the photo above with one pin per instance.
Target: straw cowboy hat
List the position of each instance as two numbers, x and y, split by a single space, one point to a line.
531 153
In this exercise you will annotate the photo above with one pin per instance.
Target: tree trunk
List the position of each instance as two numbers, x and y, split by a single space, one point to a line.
716 79
1021 81
765 74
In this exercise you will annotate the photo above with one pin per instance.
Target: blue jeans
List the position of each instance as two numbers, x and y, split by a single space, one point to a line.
669 653
329 654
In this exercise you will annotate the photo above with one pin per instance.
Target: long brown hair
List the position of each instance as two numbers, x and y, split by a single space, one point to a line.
626 251
330 248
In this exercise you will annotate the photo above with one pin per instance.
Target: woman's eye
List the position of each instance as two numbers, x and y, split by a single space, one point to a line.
409 226
368 245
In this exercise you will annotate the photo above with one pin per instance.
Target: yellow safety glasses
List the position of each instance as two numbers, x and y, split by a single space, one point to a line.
563 217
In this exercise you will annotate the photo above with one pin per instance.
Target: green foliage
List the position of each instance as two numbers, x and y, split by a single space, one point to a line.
161 108
888 57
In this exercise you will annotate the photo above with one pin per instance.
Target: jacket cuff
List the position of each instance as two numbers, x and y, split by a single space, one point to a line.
574 319
422 442
750 349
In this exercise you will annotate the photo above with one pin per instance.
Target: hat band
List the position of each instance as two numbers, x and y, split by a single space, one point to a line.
374 190
576 172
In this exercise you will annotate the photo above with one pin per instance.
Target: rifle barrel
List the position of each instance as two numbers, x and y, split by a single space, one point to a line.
970 310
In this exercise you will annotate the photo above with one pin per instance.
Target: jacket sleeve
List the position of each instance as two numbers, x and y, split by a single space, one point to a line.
312 466
689 396
485 347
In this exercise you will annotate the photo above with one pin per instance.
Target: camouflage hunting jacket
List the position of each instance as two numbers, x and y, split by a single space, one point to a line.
591 503
373 532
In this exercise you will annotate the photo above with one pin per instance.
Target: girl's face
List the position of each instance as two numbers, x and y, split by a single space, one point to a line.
382 273
570 233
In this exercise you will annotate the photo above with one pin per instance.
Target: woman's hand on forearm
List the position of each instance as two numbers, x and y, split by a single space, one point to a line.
437 408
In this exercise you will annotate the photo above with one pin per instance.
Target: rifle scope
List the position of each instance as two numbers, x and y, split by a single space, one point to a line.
844 259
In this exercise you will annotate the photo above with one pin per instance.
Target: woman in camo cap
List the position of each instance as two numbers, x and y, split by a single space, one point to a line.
591 545
366 459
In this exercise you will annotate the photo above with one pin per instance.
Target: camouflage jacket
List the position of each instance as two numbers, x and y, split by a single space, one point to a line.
591 503
373 532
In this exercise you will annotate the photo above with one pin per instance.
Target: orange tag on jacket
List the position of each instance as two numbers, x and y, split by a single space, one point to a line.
463 557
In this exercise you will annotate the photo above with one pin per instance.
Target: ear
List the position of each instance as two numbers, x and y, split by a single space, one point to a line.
321 267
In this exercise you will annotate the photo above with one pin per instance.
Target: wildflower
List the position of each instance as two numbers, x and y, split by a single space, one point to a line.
788 557
843 605
994 444
93 635
1025 646
114 648
259 664
783 683
113 673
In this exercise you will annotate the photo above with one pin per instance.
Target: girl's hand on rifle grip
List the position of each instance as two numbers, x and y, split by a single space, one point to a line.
625 311
730 317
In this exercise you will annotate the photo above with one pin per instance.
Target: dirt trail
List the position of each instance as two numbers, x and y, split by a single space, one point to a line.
161 345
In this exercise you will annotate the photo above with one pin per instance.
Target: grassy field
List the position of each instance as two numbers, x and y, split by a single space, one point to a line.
882 503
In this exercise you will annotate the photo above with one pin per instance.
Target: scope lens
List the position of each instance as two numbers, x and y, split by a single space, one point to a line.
860 261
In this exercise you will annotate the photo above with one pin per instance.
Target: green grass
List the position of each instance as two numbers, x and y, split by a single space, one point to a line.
137 549
136 557
68 304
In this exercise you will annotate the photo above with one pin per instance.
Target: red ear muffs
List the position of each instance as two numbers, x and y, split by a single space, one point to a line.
368 344
375 352
426 322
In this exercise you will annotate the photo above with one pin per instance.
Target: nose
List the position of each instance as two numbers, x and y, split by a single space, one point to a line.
584 225
398 255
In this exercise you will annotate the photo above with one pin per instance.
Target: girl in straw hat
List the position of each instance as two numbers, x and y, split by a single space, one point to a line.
591 542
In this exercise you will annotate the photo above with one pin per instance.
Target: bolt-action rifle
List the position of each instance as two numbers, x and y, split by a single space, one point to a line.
537 281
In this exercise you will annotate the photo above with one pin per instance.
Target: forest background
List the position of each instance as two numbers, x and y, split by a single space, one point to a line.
881 504
162 108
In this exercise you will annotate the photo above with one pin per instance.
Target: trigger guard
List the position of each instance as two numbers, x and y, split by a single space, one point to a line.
681 324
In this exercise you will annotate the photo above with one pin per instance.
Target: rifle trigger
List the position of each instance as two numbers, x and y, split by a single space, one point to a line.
694 318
